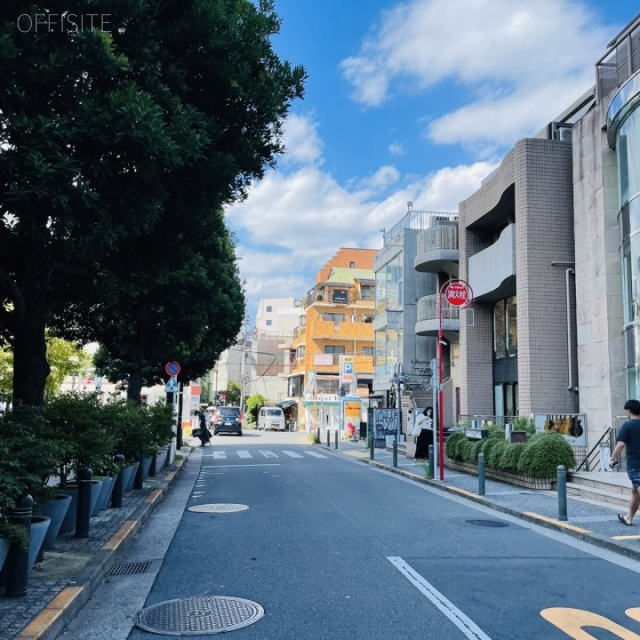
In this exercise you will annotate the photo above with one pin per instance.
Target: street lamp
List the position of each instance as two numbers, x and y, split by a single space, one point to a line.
458 293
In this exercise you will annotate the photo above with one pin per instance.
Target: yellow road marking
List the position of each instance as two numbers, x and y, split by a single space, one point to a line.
153 496
357 454
625 537
43 621
464 492
118 537
559 523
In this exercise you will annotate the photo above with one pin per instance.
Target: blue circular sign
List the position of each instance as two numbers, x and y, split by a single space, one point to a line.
172 368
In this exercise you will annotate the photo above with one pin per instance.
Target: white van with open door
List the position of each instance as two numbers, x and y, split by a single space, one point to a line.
271 419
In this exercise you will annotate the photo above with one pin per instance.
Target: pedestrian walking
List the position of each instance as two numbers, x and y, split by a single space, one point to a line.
629 439
203 431
423 433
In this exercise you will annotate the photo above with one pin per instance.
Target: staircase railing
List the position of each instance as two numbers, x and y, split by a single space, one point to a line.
592 456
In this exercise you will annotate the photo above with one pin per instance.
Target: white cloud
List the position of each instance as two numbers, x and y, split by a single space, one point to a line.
512 62
396 149
301 141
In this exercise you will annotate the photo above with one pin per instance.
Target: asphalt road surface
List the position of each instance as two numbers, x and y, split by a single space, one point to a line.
324 547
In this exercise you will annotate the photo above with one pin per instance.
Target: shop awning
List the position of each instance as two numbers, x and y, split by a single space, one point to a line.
286 403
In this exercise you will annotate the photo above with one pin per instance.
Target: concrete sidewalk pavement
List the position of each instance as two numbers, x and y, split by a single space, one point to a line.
593 522
64 581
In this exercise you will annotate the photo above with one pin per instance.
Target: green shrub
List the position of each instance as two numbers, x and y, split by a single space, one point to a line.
511 456
543 453
454 444
495 454
524 423
492 450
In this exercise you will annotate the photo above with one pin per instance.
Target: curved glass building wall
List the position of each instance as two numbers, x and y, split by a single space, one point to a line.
623 129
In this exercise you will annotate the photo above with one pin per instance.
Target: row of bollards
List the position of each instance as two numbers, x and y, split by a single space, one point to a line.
16 569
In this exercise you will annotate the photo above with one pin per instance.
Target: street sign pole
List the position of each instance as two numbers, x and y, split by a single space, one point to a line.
458 294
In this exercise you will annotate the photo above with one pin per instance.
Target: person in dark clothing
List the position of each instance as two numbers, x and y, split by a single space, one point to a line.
203 431
629 439
424 430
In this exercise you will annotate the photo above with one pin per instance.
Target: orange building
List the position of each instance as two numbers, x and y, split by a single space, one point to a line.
331 354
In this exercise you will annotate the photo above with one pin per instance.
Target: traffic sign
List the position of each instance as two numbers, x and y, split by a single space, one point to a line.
172 385
458 293
172 368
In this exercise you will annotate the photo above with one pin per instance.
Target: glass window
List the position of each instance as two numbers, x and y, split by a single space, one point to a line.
333 317
512 326
367 351
300 352
379 363
332 348
394 284
381 291
628 152
499 330
366 292
631 273
269 323
269 308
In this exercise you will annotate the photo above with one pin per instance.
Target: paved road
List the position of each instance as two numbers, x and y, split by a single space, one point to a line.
334 549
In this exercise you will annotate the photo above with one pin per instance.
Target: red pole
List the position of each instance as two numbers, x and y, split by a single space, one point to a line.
440 394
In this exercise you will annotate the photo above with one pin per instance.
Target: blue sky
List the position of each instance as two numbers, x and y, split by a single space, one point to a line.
405 101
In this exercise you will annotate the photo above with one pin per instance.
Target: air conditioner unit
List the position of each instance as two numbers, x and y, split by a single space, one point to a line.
561 131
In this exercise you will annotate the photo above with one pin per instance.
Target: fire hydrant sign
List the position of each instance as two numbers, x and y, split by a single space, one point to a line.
458 294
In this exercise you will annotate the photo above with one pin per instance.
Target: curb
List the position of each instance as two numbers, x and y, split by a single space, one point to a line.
533 518
51 621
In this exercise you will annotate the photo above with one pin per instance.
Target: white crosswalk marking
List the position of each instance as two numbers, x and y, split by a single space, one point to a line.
246 454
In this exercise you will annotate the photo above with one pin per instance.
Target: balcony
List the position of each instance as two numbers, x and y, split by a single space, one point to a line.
437 250
492 271
428 322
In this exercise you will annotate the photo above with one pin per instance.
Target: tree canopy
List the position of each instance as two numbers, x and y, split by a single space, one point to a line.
114 141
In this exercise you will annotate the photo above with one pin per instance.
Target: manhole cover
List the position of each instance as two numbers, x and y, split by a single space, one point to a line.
488 523
198 616
217 508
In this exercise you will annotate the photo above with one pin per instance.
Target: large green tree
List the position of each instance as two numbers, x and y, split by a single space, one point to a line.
100 130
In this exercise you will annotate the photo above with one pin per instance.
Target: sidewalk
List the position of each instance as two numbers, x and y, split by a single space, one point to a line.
593 522
69 574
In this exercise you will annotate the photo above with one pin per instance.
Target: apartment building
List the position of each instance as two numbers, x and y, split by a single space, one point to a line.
337 321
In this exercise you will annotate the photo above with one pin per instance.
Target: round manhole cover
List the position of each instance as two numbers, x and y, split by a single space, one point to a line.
488 523
198 616
218 508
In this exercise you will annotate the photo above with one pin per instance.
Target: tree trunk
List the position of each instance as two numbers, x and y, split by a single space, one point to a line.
30 366
134 387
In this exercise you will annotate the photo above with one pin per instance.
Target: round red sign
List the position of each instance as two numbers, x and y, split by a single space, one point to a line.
457 294
172 368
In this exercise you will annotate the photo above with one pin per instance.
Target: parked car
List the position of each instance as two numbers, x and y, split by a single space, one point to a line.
227 420
270 418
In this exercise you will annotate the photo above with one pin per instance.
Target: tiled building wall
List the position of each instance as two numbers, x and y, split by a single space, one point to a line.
544 234
539 171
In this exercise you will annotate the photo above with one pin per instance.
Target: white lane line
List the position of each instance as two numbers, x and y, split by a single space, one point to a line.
219 455
243 453
292 454
314 454
268 454
257 464
468 627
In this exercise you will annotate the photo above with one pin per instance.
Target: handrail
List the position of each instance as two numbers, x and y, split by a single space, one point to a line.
587 458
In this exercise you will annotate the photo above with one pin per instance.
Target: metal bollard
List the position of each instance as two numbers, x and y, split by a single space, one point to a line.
138 481
562 493
152 467
118 486
17 562
394 450
318 436
328 439
372 443
336 438
83 513
481 475
430 465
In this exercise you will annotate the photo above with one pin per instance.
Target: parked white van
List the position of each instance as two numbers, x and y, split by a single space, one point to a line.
270 418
